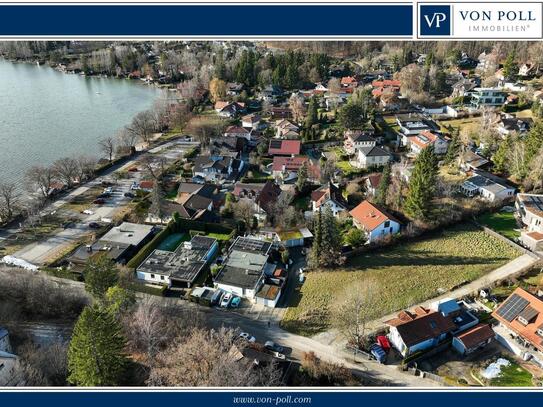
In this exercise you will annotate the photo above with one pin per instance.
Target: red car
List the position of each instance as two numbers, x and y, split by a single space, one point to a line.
383 342
99 201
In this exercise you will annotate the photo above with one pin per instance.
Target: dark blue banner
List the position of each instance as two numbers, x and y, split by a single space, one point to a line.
269 398
359 20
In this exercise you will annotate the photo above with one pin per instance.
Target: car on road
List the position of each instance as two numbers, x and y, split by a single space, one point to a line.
235 302
216 298
106 183
279 355
272 346
225 302
104 195
129 195
108 190
247 337
87 212
67 225
99 201
94 225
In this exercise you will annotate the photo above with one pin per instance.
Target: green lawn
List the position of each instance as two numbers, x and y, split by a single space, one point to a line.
219 236
513 376
502 222
406 274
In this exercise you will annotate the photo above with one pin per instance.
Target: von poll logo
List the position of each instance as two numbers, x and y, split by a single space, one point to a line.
435 20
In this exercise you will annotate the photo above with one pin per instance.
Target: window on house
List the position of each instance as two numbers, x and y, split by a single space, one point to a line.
152 276
387 223
522 320
540 331
162 277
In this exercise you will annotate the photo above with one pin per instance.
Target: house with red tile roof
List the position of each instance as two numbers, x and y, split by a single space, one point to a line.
425 139
284 147
349 82
385 86
521 324
286 168
376 222
328 195
473 339
262 195
237 131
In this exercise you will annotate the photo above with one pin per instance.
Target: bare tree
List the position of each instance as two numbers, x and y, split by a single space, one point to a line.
355 310
66 170
210 358
142 126
40 178
85 167
9 200
244 210
126 140
107 146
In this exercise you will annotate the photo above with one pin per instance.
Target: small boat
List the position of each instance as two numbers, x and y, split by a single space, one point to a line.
98 93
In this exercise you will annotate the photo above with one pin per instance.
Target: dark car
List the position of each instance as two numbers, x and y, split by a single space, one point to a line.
107 183
94 225
129 195
67 225
104 195
99 201
270 345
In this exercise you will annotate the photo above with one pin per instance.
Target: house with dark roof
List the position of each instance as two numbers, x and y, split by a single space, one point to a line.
284 147
473 339
237 131
372 182
488 186
215 168
355 139
261 195
234 88
367 157
422 329
374 221
329 195
229 109
245 267
182 267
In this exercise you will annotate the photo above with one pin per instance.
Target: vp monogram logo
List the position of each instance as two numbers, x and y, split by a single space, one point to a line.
435 20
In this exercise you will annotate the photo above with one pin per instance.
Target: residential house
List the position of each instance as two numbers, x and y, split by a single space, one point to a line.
427 139
368 157
422 329
234 88
230 146
510 125
9 362
413 124
329 195
280 113
215 168
182 267
284 147
521 325
238 132
530 212
385 86
473 339
374 221
262 195
488 62
287 129
355 139
526 70
245 267
251 121
349 82
229 109
473 161
286 168
488 186
119 244
271 94
334 99
463 87
372 182
487 97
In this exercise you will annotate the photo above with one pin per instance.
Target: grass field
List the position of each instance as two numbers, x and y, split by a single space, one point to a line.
406 274
512 376
502 222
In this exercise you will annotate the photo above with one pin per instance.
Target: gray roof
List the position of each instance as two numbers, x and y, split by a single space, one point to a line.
489 182
128 234
184 264
374 151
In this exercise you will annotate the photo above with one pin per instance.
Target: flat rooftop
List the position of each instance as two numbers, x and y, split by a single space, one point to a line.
128 233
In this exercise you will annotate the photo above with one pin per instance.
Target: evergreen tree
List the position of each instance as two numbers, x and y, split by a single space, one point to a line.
501 156
312 114
533 142
454 147
382 188
326 249
510 67
351 116
100 274
301 181
418 204
95 355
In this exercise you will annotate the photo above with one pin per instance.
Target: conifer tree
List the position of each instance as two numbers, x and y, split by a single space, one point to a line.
418 204
312 114
100 274
382 188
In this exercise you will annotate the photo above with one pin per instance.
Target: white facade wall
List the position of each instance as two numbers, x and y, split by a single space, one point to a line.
381 231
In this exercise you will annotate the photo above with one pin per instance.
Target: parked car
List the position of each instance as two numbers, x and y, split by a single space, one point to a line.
99 201
87 212
235 302
129 195
225 302
272 346
247 337
94 225
108 190
378 353
133 169
67 225
383 342
279 355
216 298
104 195
106 183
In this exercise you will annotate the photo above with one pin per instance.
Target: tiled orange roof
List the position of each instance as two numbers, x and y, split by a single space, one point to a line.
369 216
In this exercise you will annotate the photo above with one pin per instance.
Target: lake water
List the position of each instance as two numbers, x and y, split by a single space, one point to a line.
46 115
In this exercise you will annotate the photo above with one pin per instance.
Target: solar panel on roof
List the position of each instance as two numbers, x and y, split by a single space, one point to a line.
275 144
512 307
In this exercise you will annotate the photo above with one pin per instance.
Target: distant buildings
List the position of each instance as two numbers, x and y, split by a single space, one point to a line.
530 211
487 97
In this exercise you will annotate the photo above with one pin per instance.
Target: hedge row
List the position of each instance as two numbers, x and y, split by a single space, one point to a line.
149 247
250 180
147 289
